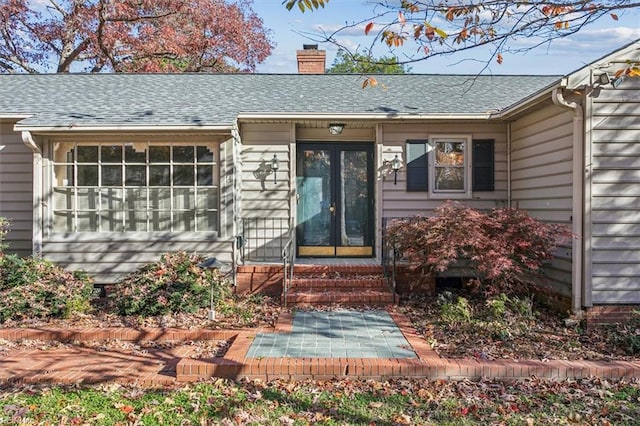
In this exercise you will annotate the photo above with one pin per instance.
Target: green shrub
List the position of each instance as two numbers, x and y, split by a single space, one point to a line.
4 228
173 284
36 288
456 313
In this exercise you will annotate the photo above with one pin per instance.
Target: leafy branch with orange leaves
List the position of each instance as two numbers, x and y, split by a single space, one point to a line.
438 28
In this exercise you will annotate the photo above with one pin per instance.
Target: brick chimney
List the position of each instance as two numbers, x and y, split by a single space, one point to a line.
311 60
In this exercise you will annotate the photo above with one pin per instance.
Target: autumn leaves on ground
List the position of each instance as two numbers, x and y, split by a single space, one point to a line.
338 402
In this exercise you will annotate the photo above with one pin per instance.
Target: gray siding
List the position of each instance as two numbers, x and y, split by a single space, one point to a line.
541 179
397 202
615 194
16 189
109 256
260 196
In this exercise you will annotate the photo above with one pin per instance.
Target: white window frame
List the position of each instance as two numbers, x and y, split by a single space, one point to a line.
464 193
174 208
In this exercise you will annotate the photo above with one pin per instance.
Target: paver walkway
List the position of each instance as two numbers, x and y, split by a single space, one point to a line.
330 351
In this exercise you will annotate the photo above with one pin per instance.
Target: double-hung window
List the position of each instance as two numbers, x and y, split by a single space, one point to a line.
450 166
135 187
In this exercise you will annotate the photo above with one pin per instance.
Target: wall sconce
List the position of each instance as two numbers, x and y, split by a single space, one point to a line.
396 163
336 128
275 165
604 79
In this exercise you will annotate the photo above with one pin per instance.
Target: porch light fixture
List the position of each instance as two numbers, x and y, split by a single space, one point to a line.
275 165
604 79
336 128
396 163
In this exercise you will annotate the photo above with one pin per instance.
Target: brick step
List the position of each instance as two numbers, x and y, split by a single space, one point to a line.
344 296
329 283
337 270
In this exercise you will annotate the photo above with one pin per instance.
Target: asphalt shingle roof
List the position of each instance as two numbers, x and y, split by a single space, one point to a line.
80 100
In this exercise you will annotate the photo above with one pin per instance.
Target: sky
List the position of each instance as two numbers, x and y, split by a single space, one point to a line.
560 57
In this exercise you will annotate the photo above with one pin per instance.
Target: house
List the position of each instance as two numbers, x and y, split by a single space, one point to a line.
104 172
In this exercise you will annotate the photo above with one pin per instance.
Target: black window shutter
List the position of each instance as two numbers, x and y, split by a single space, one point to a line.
483 165
417 166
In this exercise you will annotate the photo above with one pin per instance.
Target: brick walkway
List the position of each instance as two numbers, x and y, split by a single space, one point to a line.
161 367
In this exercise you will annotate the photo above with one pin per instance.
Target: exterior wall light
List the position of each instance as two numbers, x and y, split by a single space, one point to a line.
396 164
275 165
336 128
604 79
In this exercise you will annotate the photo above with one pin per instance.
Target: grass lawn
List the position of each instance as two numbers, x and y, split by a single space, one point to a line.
530 402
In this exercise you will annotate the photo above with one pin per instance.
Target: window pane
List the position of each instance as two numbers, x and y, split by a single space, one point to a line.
160 220
183 154
87 154
135 221
63 198
88 175
135 199
450 153
205 175
63 221
87 199
207 221
111 199
87 221
207 198
184 221
205 155
135 153
136 175
64 174
449 178
183 176
111 175
111 154
160 199
159 154
111 221
160 175
183 199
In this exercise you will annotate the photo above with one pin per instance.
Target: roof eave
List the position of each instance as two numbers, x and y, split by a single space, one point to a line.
249 116
528 102
120 128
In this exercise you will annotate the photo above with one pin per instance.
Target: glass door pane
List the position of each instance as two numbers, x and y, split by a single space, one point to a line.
315 203
354 214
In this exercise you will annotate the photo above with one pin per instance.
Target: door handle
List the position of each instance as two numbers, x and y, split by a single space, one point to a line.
332 209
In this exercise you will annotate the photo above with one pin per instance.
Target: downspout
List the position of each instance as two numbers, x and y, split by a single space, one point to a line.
578 196
509 165
27 139
236 200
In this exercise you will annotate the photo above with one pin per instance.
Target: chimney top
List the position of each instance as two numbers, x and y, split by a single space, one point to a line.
311 60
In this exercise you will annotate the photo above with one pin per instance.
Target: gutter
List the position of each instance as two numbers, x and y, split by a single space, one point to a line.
121 128
369 117
578 195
